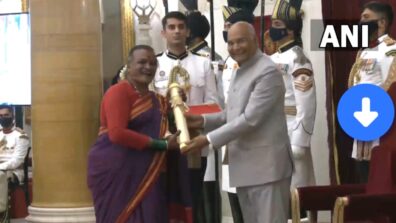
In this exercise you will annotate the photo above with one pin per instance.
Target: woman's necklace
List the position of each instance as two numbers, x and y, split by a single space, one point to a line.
137 90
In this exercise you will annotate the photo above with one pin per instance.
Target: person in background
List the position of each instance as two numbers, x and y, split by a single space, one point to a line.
14 145
202 88
374 65
300 95
199 29
211 199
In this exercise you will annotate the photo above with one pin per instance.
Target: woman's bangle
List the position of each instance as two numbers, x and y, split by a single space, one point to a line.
159 145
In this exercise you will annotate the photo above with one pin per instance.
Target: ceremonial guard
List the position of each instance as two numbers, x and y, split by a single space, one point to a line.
373 65
199 29
202 81
14 144
200 88
298 76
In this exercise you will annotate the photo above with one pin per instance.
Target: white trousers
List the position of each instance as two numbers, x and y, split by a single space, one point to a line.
4 178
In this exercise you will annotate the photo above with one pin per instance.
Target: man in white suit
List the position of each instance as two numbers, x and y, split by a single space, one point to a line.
253 126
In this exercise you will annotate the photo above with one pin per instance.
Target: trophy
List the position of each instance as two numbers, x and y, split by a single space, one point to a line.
143 10
177 103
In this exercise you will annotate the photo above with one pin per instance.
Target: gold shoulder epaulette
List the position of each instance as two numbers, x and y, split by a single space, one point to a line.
201 54
24 136
391 53
389 41
220 67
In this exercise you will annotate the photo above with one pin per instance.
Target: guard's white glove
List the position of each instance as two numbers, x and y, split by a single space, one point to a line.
298 152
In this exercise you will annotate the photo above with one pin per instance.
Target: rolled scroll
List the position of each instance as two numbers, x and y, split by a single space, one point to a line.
177 103
179 108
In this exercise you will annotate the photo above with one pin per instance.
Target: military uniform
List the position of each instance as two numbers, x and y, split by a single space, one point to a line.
376 65
300 107
203 85
202 81
204 50
13 148
202 91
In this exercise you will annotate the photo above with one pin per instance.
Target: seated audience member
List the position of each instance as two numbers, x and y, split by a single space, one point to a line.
14 144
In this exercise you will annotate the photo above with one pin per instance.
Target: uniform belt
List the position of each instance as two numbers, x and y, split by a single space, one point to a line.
291 110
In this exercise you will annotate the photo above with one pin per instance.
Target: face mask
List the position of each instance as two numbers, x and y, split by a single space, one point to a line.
225 33
372 26
277 34
6 122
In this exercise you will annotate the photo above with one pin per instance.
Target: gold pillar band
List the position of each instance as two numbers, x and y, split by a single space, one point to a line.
127 28
25 5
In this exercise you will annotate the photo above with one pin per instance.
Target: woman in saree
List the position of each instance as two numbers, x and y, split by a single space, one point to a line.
127 162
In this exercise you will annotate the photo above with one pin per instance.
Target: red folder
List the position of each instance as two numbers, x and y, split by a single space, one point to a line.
203 109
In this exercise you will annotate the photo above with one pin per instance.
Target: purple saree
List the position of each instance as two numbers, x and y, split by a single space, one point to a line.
130 185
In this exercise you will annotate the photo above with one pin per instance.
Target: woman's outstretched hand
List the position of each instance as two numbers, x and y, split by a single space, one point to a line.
172 141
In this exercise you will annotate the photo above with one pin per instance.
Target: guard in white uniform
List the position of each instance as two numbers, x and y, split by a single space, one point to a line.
199 29
375 65
202 89
202 80
14 144
300 96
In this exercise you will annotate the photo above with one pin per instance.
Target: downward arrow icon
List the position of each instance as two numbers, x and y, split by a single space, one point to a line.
366 116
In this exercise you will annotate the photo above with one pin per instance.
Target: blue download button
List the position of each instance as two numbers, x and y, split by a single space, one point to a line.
365 112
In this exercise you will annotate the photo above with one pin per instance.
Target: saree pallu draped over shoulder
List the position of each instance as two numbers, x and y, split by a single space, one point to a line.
130 185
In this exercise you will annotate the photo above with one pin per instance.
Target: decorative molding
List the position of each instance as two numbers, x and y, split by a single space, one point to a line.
61 215
127 28
27 113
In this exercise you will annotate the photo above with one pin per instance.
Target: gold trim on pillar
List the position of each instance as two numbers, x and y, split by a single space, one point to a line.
25 5
27 113
295 205
338 212
127 28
